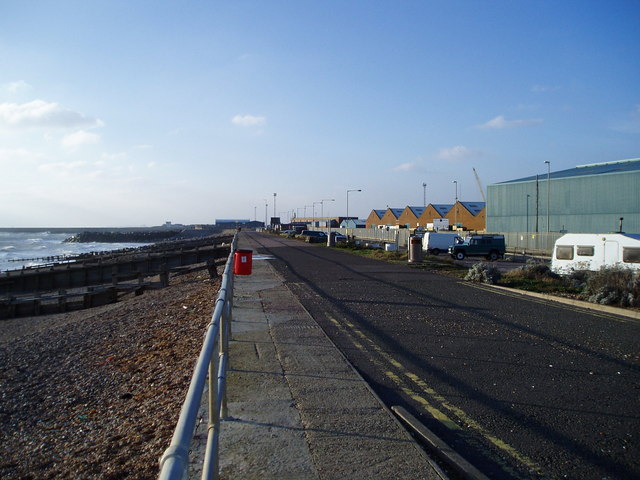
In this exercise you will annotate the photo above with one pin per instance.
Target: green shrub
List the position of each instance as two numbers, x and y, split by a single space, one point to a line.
483 273
535 271
613 286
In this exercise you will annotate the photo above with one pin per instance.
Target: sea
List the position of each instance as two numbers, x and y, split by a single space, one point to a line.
20 249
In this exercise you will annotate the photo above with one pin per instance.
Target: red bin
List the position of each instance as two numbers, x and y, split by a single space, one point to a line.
242 262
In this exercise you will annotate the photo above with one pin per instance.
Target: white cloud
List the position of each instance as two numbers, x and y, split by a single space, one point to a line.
248 121
41 114
405 167
500 122
79 138
114 156
17 155
457 153
16 87
62 167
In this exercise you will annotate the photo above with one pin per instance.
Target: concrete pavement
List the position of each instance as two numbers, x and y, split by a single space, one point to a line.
298 410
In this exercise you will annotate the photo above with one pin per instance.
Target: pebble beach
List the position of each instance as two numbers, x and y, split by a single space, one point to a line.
96 393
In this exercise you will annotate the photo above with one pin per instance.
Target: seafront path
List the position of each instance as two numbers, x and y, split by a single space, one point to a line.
521 386
298 409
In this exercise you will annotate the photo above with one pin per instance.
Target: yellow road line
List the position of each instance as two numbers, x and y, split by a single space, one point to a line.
423 388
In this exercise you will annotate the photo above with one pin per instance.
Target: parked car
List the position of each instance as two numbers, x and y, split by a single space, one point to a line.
288 233
312 236
490 246
338 237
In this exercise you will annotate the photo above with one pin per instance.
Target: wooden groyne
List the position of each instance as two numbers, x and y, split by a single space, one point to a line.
96 280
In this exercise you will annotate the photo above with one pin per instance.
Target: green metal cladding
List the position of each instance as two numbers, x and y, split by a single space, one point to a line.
588 199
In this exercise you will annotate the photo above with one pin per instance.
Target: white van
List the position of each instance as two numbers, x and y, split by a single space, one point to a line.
439 242
592 251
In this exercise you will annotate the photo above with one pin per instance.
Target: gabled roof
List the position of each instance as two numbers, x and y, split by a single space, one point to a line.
621 166
379 213
442 208
354 221
474 207
396 211
417 211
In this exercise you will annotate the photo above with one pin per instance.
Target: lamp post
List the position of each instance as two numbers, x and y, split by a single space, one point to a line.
424 194
255 214
455 211
355 190
314 211
528 212
548 191
266 205
322 205
274 204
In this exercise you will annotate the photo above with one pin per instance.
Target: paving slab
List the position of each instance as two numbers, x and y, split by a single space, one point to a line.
297 408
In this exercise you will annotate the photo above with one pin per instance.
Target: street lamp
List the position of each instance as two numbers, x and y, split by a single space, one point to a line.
355 190
266 205
274 204
424 194
314 211
455 211
548 191
322 205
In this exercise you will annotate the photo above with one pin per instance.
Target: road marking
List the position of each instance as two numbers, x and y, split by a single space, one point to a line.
424 392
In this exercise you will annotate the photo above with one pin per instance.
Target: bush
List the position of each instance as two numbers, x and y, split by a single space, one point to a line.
613 286
483 273
535 271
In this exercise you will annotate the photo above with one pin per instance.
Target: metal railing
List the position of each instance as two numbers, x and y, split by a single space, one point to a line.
174 463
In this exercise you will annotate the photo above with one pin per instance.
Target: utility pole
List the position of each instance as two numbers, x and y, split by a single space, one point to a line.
548 191
356 190
455 206
266 205
274 204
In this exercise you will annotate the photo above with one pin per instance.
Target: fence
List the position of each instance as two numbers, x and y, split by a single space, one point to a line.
534 243
531 243
174 463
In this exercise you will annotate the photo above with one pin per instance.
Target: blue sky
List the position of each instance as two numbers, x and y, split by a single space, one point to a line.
126 113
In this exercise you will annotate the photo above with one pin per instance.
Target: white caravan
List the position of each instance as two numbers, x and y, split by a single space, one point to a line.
439 242
592 251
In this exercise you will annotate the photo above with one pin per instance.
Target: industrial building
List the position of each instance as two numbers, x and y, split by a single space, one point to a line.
596 198
464 215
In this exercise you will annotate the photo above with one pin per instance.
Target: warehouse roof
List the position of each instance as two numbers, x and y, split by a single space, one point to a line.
474 207
620 166
417 211
442 208
396 211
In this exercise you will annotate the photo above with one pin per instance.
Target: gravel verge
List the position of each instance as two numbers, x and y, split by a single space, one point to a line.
97 393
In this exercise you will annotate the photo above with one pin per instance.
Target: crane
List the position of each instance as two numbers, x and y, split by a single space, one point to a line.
479 185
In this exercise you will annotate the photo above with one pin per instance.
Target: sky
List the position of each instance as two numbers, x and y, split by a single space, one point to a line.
135 113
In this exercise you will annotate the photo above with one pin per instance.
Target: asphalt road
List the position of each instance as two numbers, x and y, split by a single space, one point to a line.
520 387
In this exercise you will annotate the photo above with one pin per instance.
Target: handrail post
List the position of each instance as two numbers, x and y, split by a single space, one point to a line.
212 362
